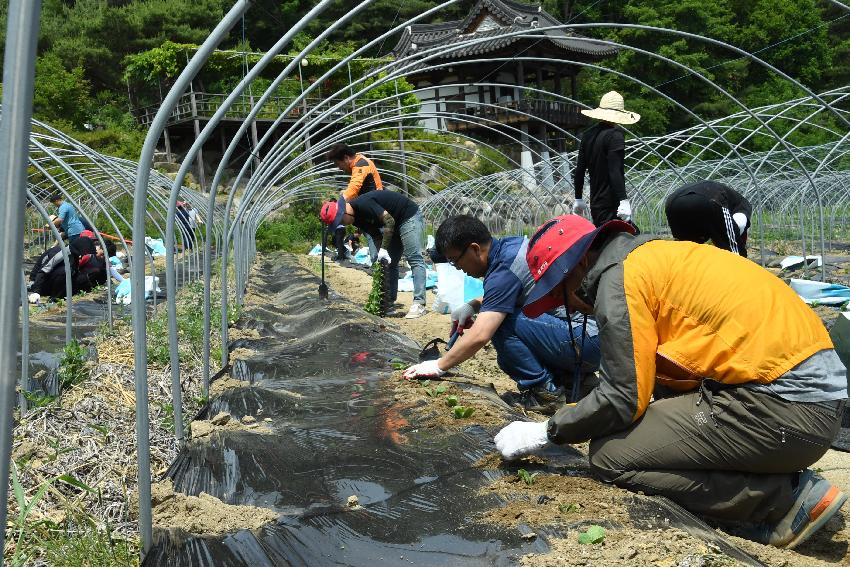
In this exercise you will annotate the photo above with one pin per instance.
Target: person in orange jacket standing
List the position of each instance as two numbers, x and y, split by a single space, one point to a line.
364 179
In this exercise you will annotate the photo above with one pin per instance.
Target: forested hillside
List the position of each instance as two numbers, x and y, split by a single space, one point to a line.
84 47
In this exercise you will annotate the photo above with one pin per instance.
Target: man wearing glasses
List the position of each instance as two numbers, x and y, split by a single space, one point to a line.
401 221
539 354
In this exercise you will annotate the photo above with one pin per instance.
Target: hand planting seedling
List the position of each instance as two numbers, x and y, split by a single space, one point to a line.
526 477
461 412
594 535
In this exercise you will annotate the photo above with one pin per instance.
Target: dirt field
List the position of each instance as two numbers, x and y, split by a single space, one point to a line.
571 504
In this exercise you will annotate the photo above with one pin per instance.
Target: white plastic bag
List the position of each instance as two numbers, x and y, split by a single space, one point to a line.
450 283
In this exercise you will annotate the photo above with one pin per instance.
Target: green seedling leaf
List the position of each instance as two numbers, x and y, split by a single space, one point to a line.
441 389
430 392
451 401
468 412
42 490
526 477
73 481
399 366
567 508
594 535
19 489
425 383
104 430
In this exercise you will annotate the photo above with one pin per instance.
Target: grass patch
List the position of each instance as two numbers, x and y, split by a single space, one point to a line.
190 326
90 548
296 229
72 367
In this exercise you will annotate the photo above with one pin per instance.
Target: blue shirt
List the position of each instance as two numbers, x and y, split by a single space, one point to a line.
71 224
507 280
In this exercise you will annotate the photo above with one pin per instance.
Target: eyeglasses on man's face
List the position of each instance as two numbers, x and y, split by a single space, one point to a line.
454 261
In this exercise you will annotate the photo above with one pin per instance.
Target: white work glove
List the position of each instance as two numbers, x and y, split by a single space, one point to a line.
521 438
462 318
580 207
427 369
624 211
384 255
33 297
740 220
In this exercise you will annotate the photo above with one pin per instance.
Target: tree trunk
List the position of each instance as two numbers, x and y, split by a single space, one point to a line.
568 10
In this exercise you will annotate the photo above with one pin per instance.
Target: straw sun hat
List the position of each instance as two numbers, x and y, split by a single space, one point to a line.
612 109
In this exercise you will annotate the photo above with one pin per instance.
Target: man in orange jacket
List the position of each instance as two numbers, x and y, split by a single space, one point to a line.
753 390
364 179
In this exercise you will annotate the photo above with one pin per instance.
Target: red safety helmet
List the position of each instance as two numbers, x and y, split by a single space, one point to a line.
555 249
331 213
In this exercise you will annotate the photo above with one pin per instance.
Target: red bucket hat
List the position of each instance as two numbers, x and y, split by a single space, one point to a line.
556 247
331 213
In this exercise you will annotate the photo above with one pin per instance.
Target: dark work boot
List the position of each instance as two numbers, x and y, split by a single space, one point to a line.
545 399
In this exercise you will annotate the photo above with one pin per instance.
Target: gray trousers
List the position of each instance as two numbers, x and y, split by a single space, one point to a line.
723 453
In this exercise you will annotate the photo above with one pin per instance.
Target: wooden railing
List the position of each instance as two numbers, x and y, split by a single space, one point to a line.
202 106
562 114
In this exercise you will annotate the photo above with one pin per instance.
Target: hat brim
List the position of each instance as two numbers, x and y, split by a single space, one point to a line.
539 300
340 211
624 117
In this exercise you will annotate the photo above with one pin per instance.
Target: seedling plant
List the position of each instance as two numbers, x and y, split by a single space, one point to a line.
527 477
594 535
376 304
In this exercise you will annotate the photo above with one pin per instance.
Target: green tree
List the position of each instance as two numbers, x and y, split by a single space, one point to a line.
60 94
789 34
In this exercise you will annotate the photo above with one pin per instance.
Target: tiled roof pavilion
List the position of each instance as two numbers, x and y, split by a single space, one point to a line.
494 20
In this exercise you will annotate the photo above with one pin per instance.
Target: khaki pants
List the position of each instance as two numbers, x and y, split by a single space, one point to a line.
720 452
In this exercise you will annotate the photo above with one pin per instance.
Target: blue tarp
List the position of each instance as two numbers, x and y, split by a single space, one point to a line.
821 292
362 256
406 283
156 245
124 291
473 288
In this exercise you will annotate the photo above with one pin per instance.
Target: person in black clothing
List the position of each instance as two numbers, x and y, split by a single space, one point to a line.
40 282
339 243
708 210
93 269
601 154
48 274
182 216
353 241
402 225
